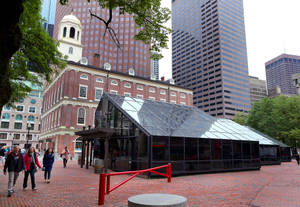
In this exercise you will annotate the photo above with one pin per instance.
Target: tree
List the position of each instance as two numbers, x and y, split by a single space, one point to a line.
277 117
149 16
240 118
37 53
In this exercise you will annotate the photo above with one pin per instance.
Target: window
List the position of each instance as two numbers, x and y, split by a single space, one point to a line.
82 91
113 92
114 82
152 90
30 118
173 102
151 98
84 76
139 96
78 35
19 117
173 93
17 136
3 135
160 148
182 103
18 125
20 108
98 93
71 50
72 32
6 108
127 94
4 124
21 100
78 145
29 136
127 85
99 80
31 127
5 116
32 101
182 95
140 87
163 100
163 92
65 32
31 109
80 116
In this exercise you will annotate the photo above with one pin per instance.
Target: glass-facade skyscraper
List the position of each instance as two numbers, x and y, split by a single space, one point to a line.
209 54
48 14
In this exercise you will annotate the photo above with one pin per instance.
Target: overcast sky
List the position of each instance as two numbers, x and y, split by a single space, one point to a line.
272 28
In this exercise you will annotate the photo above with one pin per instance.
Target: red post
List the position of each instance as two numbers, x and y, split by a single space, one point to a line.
169 172
101 189
108 184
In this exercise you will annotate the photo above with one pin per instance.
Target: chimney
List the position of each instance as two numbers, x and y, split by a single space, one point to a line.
96 60
162 78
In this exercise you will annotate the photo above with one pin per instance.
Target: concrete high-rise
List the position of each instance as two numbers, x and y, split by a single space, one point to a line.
258 89
279 73
155 69
98 50
48 14
209 54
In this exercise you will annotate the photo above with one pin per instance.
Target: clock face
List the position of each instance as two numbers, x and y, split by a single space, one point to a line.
107 66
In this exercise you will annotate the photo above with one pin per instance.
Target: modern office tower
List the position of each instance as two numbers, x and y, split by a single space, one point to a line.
258 89
48 14
279 73
155 69
296 81
209 54
98 50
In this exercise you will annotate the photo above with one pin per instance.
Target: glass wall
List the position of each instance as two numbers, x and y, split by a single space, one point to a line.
269 154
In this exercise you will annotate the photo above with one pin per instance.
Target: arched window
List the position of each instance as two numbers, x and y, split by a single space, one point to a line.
80 116
72 32
65 32
5 116
19 117
30 118
84 76
70 50
77 35
99 80
32 101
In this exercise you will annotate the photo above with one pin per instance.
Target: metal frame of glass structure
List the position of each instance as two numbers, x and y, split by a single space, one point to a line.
148 133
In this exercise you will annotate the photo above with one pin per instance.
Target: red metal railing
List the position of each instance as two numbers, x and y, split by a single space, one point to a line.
104 187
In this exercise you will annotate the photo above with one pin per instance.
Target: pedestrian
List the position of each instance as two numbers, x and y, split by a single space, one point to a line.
297 158
48 161
65 155
31 161
14 164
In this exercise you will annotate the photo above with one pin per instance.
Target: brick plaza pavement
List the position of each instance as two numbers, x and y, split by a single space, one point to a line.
272 186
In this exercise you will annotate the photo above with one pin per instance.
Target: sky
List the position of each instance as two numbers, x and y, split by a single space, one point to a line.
272 28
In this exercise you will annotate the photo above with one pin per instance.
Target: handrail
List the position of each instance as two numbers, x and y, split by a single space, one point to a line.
104 187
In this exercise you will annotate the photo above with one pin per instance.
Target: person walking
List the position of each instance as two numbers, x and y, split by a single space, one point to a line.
65 155
297 157
31 161
14 164
48 161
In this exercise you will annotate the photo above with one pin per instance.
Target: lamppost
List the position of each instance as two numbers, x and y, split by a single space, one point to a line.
28 128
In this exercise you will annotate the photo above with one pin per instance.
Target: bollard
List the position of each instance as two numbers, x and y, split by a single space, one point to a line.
101 189
169 172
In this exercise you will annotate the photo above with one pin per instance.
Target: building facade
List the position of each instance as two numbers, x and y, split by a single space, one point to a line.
279 73
48 14
155 69
70 101
15 121
258 89
209 54
100 50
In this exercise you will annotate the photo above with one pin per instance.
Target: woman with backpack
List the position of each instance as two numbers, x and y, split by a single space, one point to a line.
30 161
48 161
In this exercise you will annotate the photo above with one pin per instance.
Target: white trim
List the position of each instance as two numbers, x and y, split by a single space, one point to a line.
127 85
163 100
139 96
182 103
152 98
152 90
87 77
84 116
127 94
58 131
140 87
113 92
85 86
96 88
23 108
112 82
173 102
162 92
30 111
182 95
173 93
99 81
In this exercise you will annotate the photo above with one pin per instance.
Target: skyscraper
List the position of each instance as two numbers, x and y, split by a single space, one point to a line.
48 14
209 54
155 68
258 89
98 50
279 73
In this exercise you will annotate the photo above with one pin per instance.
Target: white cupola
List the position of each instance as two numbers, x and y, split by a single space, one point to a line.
69 37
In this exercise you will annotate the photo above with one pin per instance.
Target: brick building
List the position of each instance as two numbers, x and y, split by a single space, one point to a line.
71 99
99 50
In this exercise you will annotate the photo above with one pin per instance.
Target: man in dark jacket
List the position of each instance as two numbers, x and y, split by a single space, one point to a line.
15 164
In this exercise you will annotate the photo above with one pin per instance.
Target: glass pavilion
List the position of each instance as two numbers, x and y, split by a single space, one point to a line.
142 134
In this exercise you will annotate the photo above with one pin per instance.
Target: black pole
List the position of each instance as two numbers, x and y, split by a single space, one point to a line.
82 153
87 155
91 154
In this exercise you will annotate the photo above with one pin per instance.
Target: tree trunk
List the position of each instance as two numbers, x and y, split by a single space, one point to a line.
10 40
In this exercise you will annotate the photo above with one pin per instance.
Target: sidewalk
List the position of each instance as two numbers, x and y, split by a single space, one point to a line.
272 186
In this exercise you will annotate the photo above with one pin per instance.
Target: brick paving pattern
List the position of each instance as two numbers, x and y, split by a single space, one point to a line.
272 186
